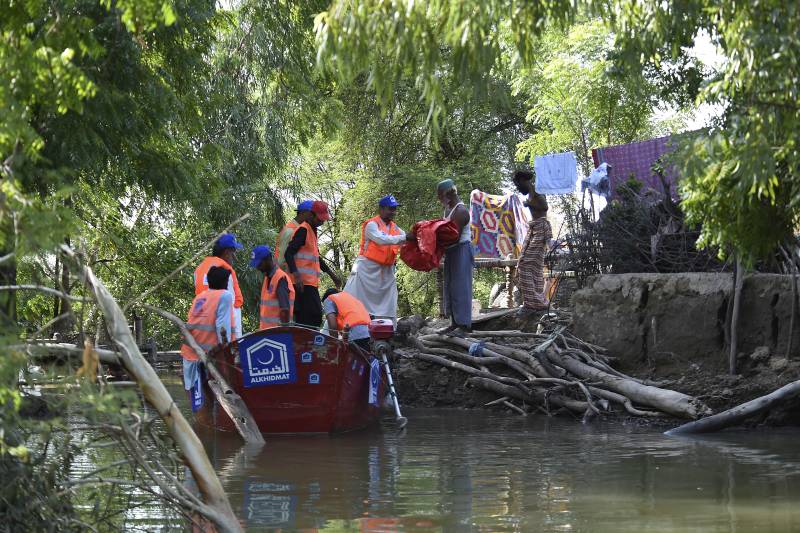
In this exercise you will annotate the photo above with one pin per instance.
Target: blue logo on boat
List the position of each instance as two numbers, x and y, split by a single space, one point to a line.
305 357
319 340
374 381
198 397
267 360
313 378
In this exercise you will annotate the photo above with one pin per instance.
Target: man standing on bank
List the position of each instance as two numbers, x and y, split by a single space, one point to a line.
530 267
276 304
459 260
372 280
305 266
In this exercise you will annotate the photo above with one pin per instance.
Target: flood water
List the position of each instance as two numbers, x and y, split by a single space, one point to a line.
456 470
479 471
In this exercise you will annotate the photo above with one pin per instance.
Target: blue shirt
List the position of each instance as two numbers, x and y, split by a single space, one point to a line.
356 332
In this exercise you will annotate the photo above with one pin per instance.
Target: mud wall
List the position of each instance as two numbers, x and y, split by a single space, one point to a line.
662 317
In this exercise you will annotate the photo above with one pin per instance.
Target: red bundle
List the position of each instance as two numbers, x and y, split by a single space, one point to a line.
433 236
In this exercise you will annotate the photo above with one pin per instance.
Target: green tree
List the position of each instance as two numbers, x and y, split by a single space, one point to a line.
739 182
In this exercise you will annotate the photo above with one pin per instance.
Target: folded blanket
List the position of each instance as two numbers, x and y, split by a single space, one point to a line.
433 236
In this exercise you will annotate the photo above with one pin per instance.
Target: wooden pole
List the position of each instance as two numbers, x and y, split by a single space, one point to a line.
219 508
737 297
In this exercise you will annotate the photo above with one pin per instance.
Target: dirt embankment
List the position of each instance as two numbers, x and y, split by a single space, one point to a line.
424 384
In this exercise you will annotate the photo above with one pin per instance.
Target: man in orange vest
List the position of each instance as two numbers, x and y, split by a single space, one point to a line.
346 314
222 255
372 280
287 232
210 322
277 293
306 265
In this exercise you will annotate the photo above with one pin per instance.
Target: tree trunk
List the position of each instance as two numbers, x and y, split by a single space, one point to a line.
739 413
668 401
737 297
157 395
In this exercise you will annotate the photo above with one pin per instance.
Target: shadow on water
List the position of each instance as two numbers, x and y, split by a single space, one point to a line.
477 471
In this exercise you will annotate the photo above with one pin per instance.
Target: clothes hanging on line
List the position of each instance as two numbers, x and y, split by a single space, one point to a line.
499 224
556 173
597 181
636 160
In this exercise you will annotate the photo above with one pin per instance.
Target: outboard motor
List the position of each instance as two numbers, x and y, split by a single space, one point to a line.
381 332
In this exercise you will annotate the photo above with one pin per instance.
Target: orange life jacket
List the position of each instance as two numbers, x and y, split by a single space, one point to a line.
201 281
349 311
282 241
307 257
202 322
269 310
383 254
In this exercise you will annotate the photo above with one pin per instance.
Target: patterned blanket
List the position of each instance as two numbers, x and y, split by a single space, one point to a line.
499 224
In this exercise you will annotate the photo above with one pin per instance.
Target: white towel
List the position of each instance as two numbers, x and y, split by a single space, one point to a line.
556 173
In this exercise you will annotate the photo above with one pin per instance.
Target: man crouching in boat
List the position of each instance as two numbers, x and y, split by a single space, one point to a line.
276 305
211 322
343 310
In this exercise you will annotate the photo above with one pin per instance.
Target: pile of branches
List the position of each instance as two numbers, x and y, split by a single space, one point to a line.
551 371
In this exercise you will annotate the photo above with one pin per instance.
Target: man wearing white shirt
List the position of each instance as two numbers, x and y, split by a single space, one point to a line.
373 280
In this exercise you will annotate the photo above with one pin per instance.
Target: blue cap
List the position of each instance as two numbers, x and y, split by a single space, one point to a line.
389 201
259 253
305 205
228 240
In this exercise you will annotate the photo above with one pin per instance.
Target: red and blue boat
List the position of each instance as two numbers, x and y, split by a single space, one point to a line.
295 379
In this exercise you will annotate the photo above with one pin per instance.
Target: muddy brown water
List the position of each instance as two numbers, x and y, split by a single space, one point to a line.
457 470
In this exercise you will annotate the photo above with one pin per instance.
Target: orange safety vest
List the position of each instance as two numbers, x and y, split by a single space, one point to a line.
349 311
201 282
307 257
383 254
282 241
269 310
202 322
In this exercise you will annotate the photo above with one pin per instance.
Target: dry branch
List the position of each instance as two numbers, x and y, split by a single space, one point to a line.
665 400
231 402
217 507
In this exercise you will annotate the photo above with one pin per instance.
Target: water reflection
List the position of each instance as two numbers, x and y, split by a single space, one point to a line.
465 471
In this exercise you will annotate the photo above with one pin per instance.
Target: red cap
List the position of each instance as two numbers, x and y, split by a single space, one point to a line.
321 210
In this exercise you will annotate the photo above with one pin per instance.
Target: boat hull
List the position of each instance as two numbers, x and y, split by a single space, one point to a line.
295 380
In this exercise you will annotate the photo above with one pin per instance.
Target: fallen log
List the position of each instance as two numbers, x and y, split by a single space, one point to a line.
216 507
740 413
665 400
231 402
537 395
532 369
466 369
50 350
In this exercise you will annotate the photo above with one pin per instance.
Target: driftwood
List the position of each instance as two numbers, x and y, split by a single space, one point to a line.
231 402
668 401
216 508
740 413
52 349
550 369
